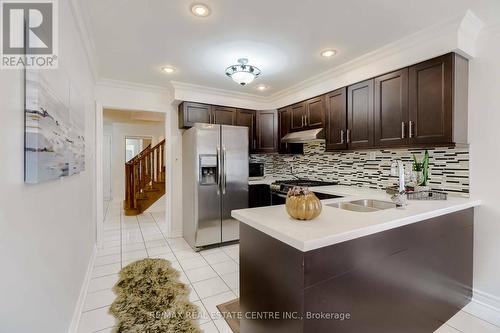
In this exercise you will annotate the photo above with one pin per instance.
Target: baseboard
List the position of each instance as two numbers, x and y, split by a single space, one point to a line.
73 327
176 233
485 306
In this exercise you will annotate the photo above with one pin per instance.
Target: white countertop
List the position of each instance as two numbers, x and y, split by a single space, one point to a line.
336 225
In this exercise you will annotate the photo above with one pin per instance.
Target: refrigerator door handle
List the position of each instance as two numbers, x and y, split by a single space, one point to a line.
219 170
224 170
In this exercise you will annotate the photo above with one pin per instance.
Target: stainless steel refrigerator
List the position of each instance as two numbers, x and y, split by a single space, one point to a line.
214 182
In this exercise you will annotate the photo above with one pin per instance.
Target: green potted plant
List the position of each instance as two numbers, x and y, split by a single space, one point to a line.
421 169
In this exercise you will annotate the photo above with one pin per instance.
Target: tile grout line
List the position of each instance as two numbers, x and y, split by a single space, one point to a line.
473 315
200 299
143 240
177 259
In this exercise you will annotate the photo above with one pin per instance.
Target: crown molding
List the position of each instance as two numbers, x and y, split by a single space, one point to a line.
82 26
424 39
468 32
457 34
203 94
118 84
211 90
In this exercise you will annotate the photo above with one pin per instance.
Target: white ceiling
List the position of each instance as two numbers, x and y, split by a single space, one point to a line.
134 39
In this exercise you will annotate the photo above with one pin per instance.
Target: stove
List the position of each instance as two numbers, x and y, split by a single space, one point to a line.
279 189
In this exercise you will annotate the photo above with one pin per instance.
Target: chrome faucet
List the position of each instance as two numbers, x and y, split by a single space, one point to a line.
398 169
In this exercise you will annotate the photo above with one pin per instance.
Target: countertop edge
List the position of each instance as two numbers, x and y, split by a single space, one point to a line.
339 238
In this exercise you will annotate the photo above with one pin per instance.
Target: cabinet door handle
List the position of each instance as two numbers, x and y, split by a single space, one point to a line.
341 136
305 120
348 136
410 129
402 130
254 143
302 124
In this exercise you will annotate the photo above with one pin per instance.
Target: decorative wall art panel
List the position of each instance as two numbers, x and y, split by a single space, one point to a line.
54 127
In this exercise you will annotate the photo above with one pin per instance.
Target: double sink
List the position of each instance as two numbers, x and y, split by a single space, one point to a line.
364 206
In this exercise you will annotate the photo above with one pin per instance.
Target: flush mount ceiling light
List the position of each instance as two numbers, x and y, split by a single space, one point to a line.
168 69
242 73
328 53
261 87
200 10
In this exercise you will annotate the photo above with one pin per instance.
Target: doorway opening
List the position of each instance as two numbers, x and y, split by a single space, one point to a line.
135 145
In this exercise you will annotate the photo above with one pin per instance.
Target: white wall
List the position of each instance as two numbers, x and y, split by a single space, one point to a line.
47 231
174 173
484 120
118 132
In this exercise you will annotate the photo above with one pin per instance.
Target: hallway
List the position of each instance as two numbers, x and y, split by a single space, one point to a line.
212 275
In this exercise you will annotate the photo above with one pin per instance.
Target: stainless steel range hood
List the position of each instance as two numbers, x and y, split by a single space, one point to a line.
317 134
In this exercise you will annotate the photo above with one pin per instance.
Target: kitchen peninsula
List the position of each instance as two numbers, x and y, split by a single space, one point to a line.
394 270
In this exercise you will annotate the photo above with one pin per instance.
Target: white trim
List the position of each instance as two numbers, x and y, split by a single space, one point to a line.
75 320
180 86
99 134
131 85
484 306
169 166
487 300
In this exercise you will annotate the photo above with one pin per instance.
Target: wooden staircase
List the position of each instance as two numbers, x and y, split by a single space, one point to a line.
144 179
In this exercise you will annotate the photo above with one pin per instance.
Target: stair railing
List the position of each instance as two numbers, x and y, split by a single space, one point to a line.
141 172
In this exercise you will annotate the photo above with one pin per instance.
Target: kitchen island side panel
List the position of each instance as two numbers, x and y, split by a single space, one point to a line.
409 279
271 280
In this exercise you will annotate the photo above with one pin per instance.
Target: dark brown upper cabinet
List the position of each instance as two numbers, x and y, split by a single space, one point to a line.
267 131
284 123
223 115
391 109
431 101
247 118
336 120
298 116
315 112
360 115
191 113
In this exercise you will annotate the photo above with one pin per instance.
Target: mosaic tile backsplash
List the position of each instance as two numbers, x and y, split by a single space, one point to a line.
448 167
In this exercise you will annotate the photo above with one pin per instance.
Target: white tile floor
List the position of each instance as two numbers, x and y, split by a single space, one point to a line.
212 275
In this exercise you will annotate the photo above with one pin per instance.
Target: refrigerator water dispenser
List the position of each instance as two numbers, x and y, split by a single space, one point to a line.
208 169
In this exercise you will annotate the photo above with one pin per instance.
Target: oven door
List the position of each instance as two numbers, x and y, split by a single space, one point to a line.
278 198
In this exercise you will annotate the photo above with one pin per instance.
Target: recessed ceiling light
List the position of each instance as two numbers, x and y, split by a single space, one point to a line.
168 69
328 53
261 87
200 10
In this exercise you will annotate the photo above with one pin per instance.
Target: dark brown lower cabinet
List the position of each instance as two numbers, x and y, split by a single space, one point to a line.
410 279
259 195
336 120
391 109
360 115
267 132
